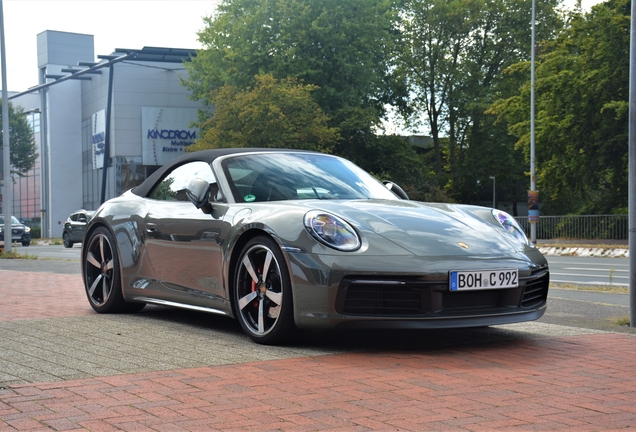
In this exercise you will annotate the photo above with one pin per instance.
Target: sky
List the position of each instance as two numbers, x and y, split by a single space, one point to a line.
113 23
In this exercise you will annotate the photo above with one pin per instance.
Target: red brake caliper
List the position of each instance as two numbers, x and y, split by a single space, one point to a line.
255 302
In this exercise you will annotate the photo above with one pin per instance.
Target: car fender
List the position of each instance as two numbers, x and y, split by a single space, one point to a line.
127 232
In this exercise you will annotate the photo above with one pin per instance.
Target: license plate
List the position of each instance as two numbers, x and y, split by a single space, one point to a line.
485 279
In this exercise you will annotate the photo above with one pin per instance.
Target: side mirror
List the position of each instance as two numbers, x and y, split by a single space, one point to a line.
198 192
395 189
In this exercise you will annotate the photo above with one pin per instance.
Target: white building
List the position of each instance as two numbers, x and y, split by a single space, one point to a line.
136 93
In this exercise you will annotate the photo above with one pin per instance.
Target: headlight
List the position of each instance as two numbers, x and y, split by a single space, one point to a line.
27 229
332 231
510 225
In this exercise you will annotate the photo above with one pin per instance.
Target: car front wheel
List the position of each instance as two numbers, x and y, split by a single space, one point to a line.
262 293
102 275
67 240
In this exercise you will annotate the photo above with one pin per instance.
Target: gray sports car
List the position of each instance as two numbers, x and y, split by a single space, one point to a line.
286 239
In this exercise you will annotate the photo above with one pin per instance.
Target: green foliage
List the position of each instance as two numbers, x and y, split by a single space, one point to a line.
582 80
280 114
454 55
449 58
343 48
163 191
341 53
14 254
435 34
23 146
392 158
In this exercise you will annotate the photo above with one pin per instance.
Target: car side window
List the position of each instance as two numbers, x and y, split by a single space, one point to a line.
74 217
173 186
81 218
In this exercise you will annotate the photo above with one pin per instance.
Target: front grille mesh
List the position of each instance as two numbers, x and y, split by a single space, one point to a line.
380 299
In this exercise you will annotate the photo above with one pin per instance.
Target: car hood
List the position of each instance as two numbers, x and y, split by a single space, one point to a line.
14 226
427 229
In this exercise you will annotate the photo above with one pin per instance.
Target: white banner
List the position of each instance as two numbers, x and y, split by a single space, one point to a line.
98 136
165 133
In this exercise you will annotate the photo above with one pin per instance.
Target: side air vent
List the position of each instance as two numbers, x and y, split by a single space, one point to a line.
536 291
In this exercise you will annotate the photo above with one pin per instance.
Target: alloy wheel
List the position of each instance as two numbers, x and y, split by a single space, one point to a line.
99 269
259 290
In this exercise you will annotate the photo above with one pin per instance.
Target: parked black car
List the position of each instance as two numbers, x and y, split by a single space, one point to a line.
19 231
75 226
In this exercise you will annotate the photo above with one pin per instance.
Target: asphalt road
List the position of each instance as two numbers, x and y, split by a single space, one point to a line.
589 271
570 307
57 252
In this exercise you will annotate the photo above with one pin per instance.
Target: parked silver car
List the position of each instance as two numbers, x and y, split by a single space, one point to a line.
283 239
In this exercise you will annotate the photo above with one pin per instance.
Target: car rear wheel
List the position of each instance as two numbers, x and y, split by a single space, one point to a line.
262 293
67 240
102 275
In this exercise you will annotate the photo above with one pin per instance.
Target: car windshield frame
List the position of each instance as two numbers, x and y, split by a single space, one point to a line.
280 176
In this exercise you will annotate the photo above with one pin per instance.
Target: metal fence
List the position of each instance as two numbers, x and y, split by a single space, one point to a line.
586 227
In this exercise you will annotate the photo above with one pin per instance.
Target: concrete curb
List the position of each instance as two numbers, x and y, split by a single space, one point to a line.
585 251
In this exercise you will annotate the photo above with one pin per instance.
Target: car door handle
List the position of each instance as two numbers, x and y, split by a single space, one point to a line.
151 227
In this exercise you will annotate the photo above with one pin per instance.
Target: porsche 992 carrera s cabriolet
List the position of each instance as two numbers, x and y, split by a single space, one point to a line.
284 240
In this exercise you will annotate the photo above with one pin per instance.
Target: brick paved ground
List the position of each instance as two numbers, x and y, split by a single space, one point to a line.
41 295
577 382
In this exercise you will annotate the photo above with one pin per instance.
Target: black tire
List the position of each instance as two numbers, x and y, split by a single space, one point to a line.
26 243
67 240
262 293
102 278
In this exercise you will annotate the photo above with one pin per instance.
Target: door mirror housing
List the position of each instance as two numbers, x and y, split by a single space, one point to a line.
396 189
198 192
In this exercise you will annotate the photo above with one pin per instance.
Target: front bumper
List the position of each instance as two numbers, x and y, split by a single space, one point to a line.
18 236
328 296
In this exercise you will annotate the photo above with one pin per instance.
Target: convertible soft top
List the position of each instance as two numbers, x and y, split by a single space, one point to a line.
203 155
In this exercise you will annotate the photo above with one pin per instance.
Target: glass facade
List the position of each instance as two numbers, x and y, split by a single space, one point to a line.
124 172
26 189
91 178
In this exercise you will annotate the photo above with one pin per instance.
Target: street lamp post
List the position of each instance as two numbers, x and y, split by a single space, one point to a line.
631 201
493 190
533 179
7 199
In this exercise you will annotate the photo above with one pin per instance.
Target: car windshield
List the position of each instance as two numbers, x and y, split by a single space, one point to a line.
14 221
292 176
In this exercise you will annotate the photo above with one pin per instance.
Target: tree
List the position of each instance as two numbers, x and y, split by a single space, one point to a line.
582 80
435 32
342 48
21 140
345 50
271 113
454 55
